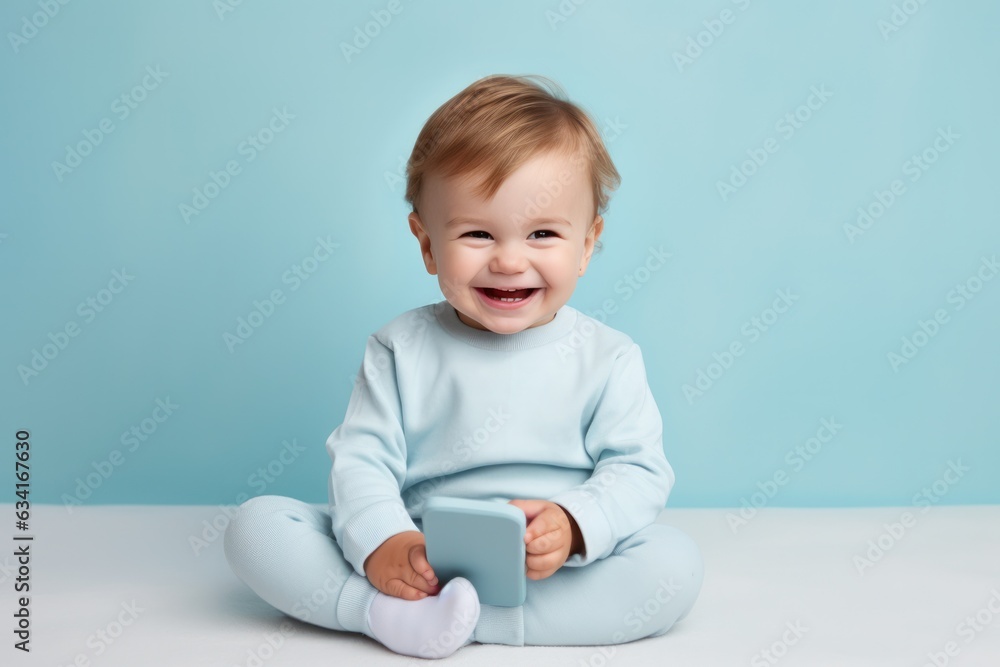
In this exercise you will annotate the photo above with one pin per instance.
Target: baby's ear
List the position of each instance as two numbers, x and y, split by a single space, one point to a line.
596 228
418 229
590 241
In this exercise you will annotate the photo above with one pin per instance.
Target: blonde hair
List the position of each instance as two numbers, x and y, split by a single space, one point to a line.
498 123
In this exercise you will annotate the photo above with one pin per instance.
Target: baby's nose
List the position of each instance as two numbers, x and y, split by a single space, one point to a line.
508 260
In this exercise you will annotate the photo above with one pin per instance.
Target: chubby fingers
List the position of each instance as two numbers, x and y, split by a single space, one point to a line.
539 566
545 540
547 547
400 589
425 580
547 531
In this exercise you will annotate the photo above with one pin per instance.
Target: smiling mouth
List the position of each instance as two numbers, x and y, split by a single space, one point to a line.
508 296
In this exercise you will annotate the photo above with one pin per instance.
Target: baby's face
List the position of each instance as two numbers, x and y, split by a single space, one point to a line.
534 235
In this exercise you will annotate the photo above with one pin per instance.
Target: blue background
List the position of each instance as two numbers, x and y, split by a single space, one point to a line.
675 131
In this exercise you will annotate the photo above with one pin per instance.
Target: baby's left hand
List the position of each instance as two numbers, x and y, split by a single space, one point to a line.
550 537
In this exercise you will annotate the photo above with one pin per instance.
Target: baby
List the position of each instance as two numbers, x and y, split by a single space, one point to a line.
501 392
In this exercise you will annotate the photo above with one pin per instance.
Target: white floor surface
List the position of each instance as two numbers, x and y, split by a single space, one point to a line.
934 593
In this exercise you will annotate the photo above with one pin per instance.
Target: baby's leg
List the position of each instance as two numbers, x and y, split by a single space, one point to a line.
649 582
284 550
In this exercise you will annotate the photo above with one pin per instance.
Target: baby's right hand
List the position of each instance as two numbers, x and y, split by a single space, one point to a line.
399 567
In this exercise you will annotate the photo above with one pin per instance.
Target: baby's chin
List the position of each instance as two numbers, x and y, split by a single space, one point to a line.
513 327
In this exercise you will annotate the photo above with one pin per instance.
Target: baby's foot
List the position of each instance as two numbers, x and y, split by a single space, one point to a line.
434 627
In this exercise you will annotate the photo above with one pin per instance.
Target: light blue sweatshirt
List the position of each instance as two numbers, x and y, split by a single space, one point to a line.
559 412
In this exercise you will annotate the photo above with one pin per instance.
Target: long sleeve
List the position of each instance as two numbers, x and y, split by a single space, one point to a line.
368 451
631 478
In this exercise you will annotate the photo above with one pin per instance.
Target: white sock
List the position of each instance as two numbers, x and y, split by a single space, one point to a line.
434 627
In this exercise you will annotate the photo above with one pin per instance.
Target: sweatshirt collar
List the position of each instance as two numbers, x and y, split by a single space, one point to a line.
560 325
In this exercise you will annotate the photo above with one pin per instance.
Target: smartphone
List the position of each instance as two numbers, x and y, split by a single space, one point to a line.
480 540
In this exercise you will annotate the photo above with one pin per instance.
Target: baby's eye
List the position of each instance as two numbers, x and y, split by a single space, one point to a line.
485 234
550 234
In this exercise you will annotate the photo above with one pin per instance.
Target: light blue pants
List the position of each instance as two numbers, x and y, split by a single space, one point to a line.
284 550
